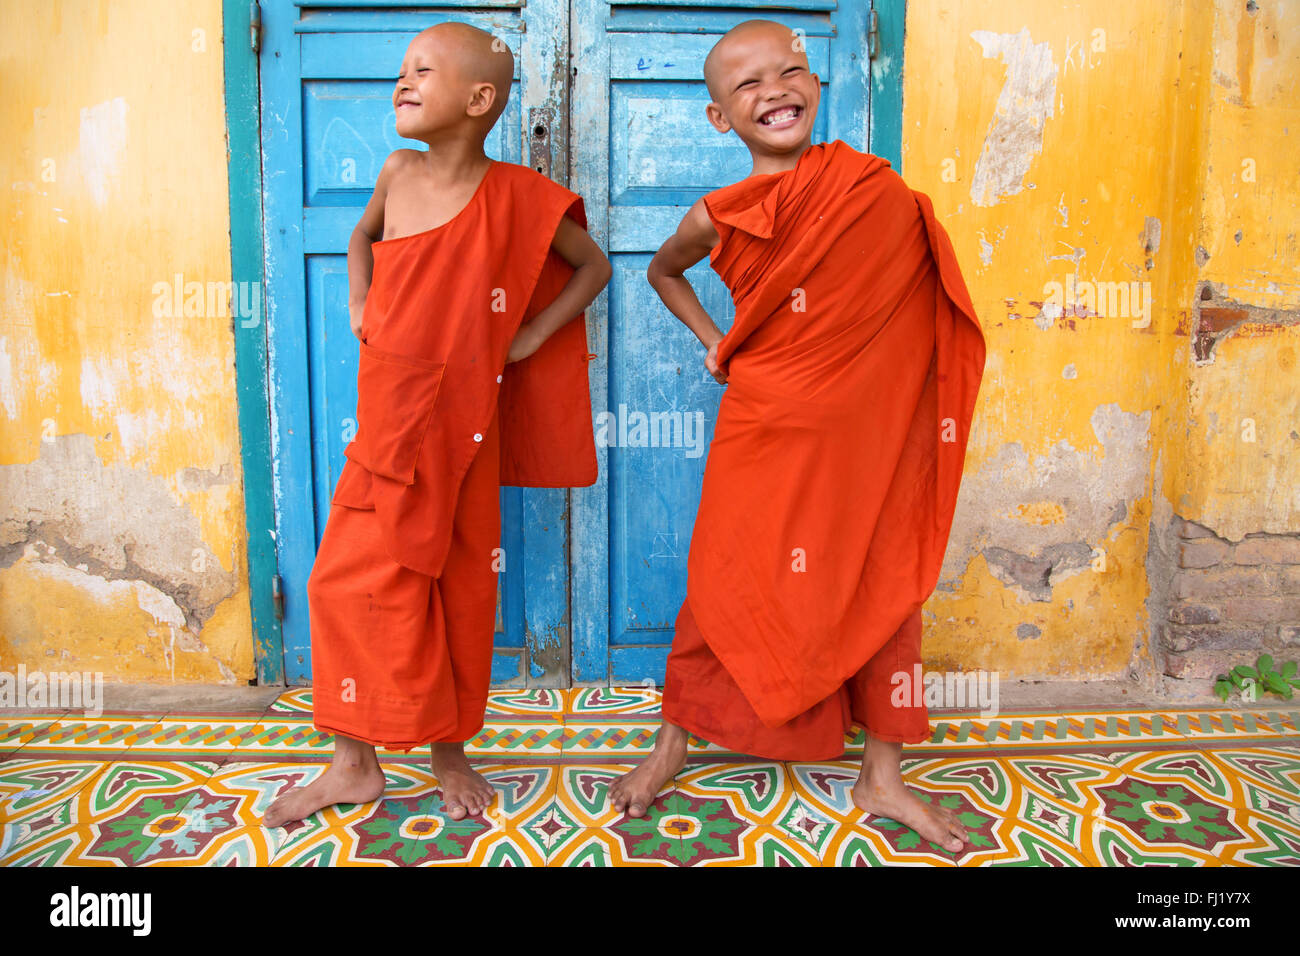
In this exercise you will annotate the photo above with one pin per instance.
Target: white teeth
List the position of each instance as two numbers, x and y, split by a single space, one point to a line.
780 116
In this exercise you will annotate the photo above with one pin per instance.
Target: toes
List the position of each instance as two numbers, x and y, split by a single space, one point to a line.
456 811
636 810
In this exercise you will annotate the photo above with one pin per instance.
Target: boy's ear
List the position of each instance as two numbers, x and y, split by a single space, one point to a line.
714 112
481 99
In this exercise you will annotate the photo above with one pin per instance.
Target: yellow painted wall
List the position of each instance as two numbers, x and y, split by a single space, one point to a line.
1106 142
121 506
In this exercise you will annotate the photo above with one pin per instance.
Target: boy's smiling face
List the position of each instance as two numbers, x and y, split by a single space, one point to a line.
762 88
452 73
427 93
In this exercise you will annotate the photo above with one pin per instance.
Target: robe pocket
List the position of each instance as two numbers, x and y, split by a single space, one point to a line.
396 397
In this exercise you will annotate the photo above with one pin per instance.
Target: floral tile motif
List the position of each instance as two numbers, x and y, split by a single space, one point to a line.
759 793
116 816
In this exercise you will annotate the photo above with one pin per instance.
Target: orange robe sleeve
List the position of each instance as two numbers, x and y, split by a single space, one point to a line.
837 456
432 374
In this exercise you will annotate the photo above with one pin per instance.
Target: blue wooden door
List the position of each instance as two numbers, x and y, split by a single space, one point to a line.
643 152
327 74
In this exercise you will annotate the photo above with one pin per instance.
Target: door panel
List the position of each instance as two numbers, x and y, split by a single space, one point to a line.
645 153
327 125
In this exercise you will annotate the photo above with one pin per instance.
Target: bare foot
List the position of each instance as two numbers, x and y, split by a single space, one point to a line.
880 790
464 791
636 790
353 776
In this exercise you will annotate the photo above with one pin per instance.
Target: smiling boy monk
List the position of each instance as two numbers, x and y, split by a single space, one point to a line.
471 375
852 369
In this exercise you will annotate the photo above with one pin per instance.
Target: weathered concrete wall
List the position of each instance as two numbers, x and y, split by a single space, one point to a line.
122 543
1119 181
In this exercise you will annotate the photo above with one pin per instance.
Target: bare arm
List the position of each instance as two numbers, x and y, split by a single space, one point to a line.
694 237
591 271
361 261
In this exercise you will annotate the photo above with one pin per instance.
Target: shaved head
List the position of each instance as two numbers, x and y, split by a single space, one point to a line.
721 58
479 57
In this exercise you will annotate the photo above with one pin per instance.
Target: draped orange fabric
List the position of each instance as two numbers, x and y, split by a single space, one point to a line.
442 309
853 366
402 595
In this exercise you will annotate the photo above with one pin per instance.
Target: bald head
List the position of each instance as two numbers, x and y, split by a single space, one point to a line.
478 57
738 45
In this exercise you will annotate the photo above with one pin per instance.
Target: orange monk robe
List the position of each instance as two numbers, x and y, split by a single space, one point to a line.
403 591
853 367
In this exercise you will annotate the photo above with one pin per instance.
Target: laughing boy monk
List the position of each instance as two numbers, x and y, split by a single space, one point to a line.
852 368
471 375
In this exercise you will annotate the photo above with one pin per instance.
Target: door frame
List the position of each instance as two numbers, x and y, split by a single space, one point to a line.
252 370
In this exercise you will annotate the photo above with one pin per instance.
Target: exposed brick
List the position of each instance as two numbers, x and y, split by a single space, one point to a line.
1266 549
1182 637
1193 614
1190 529
1288 580
1276 610
1289 634
1222 582
1201 553
1173 638
1201 665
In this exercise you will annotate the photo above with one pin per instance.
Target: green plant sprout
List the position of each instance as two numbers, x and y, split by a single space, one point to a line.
1281 681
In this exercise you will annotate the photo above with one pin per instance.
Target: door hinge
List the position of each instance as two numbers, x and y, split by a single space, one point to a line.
873 36
255 26
277 597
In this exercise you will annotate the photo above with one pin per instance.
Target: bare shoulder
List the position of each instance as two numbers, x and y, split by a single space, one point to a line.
398 162
696 228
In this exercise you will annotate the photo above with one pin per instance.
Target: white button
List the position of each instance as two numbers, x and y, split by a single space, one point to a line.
478 437
498 378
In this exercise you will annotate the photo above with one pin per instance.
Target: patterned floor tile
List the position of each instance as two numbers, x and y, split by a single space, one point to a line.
17 729
759 793
634 844
539 703
750 846
296 700
516 740
979 790
115 817
27 786
605 702
283 736
108 737
582 793
193 737
392 838
595 739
